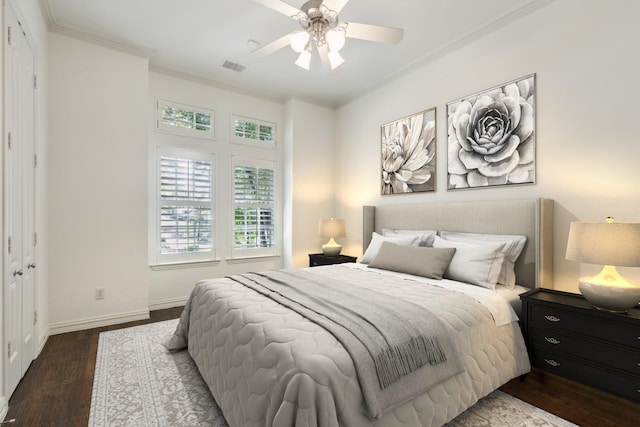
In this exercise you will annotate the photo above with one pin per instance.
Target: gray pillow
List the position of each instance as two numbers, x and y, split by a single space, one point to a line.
416 260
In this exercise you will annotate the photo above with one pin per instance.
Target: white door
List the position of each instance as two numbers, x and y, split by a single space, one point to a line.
19 283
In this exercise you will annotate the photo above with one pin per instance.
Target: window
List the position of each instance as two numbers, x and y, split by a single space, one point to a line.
251 131
184 119
254 202
184 206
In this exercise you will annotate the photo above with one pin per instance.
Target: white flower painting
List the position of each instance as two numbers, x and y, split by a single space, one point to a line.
491 137
408 154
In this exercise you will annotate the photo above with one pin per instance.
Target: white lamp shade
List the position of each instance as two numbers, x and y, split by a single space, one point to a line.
332 228
604 243
298 41
611 245
304 60
335 39
335 59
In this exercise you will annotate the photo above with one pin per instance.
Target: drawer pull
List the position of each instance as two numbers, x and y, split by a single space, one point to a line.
552 340
552 362
556 319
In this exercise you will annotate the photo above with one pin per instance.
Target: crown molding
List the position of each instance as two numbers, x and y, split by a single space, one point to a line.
141 52
47 12
183 75
55 27
452 46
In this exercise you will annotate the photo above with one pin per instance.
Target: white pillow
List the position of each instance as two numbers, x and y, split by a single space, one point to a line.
425 236
474 264
376 242
514 244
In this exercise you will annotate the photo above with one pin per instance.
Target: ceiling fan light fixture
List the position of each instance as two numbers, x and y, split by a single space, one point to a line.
299 40
322 27
335 59
304 60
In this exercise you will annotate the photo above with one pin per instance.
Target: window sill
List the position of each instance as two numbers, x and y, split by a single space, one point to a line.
246 259
187 264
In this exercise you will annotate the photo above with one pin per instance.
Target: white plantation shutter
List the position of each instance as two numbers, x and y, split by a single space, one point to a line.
185 206
254 191
181 119
254 132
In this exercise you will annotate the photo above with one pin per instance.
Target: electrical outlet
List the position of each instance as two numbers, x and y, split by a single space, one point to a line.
99 293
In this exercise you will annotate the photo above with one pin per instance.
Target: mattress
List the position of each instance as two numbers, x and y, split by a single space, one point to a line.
269 366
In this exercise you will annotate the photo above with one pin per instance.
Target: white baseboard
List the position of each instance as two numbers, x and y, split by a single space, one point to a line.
167 303
98 321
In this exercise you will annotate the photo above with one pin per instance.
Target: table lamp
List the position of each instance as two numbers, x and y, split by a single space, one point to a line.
331 228
611 244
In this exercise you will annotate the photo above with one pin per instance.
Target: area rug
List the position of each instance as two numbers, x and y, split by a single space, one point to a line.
138 383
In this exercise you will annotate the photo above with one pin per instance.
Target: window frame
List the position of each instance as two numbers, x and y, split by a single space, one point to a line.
240 160
174 130
251 141
158 258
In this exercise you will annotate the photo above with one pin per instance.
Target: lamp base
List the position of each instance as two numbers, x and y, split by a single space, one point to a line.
608 291
331 248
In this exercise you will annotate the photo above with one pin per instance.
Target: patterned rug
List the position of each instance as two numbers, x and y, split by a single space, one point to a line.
138 383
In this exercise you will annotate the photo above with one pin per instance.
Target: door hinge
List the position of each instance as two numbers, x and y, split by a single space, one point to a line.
35 238
35 317
9 139
35 160
9 36
35 81
9 349
9 245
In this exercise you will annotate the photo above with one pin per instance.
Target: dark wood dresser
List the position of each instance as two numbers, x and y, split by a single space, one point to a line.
567 336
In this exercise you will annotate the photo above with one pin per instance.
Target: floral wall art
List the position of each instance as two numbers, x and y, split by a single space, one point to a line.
491 137
409 154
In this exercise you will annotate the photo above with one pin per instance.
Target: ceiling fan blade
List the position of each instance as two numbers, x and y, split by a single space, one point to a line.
323 51
273 46
335 5
374 33
280 6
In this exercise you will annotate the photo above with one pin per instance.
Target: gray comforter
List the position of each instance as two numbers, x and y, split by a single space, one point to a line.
387 337
267 365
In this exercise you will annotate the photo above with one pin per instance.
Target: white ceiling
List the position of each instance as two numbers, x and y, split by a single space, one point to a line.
197 36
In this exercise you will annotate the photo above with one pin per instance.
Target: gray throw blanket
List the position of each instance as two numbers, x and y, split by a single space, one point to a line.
387 337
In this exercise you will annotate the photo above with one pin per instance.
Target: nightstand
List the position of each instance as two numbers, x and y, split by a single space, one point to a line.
567 336
321 259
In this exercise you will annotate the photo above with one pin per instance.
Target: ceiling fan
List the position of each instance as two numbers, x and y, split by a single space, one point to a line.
320 25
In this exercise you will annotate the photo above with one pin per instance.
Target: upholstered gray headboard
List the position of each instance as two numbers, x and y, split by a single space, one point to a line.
532 218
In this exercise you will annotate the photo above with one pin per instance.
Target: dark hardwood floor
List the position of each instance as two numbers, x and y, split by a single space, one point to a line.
56 390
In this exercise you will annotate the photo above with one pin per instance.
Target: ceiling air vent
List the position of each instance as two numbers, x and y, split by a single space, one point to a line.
233 66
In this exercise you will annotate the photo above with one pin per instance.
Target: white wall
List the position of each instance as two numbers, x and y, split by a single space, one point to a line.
170 287
312 177
97 179
585 56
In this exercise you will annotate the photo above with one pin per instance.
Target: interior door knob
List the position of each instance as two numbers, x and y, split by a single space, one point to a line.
32 265
17 273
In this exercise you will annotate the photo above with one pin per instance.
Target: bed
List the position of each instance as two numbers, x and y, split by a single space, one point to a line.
267 364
